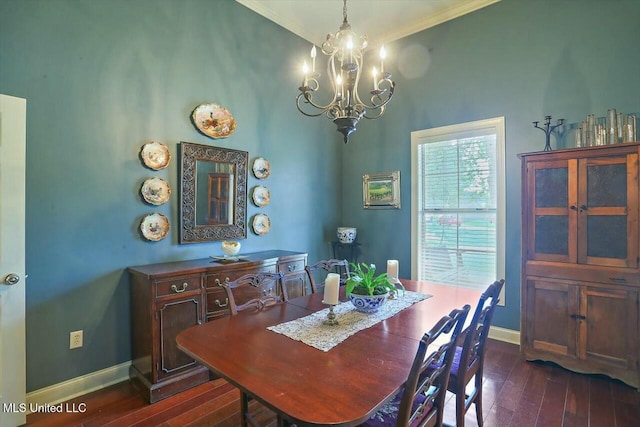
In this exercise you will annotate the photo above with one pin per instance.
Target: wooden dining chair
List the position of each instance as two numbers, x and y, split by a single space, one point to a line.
257 290
340 266
421 401
469 355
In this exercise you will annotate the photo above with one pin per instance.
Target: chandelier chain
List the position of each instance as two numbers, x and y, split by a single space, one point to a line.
344 12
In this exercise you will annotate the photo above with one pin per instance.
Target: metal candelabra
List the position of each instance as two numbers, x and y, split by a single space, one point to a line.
548 129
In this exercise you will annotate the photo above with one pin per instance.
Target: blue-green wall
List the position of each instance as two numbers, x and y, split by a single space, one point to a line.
518 59
102 78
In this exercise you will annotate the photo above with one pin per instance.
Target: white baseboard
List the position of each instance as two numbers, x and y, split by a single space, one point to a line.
79 386
506 335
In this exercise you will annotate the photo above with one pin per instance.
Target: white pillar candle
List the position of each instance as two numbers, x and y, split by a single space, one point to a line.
331 288
392 269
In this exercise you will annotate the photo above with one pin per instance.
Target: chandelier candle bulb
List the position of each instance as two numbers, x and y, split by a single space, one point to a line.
375 79
392 270
305 71
313 59
331 288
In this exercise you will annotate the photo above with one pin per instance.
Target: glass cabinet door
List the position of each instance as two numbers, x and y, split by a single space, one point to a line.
551 217
608 193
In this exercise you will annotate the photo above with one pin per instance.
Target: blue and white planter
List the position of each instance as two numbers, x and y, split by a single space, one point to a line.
368 303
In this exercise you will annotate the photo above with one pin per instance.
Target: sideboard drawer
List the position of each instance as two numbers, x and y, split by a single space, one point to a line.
217 303
296 266
177 285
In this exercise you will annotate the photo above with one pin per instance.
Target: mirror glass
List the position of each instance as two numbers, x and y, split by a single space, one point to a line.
213 193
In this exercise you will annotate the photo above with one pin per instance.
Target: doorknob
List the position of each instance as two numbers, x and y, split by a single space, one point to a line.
11 279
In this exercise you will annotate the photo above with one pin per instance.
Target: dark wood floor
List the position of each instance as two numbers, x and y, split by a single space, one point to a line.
516 393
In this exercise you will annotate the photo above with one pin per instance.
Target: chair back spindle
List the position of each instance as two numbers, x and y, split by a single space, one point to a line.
421 402
329 265
257 290
469 359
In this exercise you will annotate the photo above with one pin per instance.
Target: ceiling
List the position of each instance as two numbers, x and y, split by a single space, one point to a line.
382 21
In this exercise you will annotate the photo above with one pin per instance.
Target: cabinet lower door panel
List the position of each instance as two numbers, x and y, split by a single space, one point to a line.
551 304
609 314
175 317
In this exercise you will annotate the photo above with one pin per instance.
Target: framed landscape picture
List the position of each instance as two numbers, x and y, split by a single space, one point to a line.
381 190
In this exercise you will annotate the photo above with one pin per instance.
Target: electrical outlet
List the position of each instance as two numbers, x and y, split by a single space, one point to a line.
75 339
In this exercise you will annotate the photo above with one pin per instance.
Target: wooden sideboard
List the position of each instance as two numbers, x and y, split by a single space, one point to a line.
167 298
581 265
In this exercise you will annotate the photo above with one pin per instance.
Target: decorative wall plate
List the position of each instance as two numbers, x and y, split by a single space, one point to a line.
213 120
261 168
155 227
155 191
261 196
261 224
155 155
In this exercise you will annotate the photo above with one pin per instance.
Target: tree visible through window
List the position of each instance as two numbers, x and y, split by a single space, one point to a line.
457 204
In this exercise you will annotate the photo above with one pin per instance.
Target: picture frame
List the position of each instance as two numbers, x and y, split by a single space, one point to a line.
381 190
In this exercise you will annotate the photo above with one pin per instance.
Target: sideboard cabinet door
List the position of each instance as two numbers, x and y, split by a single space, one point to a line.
174 317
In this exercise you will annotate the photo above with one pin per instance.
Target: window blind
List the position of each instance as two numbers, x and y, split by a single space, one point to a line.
458 211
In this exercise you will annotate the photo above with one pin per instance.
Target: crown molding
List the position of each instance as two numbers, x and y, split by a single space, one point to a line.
437 18
297 25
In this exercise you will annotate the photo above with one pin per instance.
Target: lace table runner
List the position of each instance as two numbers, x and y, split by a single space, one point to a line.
311 330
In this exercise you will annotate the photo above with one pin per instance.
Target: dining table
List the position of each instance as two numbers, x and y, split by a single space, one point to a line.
307 386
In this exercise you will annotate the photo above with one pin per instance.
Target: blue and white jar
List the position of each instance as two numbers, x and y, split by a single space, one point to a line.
346 234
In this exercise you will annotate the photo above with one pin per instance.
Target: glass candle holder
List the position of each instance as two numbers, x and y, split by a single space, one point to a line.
612 127
629 128
577 137
599 135
621 122
590 130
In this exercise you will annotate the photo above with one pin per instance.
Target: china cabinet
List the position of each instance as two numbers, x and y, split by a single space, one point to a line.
580 272
167 298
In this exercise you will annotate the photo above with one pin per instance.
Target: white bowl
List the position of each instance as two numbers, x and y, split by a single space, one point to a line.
347 234
230 248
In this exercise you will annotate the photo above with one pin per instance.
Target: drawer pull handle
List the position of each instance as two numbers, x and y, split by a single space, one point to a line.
175 289
618 279
578 316
219 304
219 283
291 268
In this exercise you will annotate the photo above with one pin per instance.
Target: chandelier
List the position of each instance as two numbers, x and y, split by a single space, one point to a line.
345 52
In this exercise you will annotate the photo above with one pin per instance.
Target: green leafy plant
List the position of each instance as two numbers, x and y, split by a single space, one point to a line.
363 280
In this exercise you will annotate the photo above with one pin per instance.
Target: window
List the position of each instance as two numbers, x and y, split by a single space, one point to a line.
458 209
